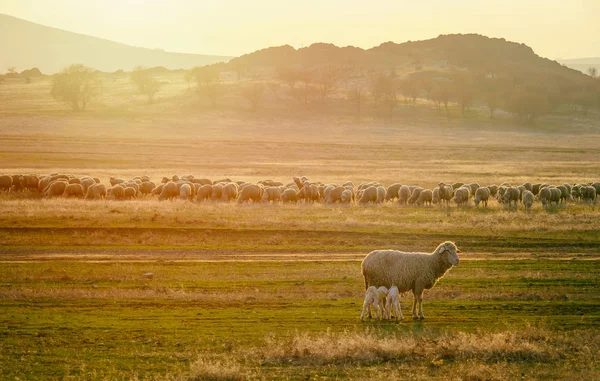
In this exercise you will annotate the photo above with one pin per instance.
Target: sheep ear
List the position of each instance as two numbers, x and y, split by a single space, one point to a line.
458 251
442 249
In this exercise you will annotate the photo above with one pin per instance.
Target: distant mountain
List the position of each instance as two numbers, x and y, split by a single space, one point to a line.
582 64
25 45
477 53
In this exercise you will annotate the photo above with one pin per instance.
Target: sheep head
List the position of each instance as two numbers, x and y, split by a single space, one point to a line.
448 253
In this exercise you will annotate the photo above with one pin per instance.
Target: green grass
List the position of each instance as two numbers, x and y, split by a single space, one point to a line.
77 319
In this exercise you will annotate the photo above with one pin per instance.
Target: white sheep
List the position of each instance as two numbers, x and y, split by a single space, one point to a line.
393 303
414 272
374 297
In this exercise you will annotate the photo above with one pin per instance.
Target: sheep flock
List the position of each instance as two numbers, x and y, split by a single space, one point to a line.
299 190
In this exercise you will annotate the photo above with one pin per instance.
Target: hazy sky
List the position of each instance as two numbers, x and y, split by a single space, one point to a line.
553 28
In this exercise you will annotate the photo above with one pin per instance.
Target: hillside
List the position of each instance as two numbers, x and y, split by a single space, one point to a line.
582 64
25 45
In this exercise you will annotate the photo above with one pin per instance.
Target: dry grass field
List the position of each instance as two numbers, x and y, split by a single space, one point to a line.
275 291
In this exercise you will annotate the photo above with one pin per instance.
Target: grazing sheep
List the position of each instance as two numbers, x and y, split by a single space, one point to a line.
511 195
436 196
346 196
169 191
403 194
288 195
545 196
462 196
55 188
455 186
95 192
73 190
229 192
6 183
527 199
493 190
129 193
185 192
588 193
333 194
482 195
116 192
114 181
201 181
147 187
565 194
392 303
380 195
204 193
414 196
31 182
426 196
75 181
271 194
414 272
391 192
217 191
251 192
555 195
369 195
17 182
445 193
86 183
535 189
474 187
527 186
374 297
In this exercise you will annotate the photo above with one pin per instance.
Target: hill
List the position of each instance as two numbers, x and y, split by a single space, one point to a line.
25 45
582 64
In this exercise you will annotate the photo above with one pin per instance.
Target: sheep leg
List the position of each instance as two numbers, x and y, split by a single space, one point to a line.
414 306
398 311
420 305
366 308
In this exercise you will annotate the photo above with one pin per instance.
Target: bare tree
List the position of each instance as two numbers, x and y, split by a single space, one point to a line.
592 71
12 70
188 76
146 84
76 85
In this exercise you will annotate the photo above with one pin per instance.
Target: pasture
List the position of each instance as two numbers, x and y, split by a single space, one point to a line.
275 291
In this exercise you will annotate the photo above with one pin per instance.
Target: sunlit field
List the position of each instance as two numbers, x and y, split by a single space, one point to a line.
182 290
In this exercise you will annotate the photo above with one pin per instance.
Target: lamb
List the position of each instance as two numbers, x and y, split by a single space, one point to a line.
393 303
374 297
392 192
527 199
426 196
482 195
414 272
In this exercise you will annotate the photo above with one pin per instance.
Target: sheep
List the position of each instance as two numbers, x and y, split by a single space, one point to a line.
147 187
414 196
535 189
217 191
461 196
527 199
114 181
17 182
493 190
334 195
369 195
185 192
6 183
380 195
445 193
251 192
116 192
55 188
482 195
202 181
169 191
346 196
474 187
555 195
455 186
436 196
426 196
73 190
391 192
403 194
30 182
86 183
129 193
204 193
95 191
75 181
588 193
511 195
545 197
527 186
565 194
374 297
414 272
229 192
288 195
393 303
271 194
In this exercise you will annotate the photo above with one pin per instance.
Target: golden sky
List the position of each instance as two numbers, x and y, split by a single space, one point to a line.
553 28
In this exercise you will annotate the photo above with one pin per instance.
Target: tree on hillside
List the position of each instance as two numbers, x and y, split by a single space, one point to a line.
440 94
76 85
253 93
492 93
592 71
188 76
409 90
12 70
325 79
208 83
384 92
528 104
288 75
146 84
463 89
356 95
